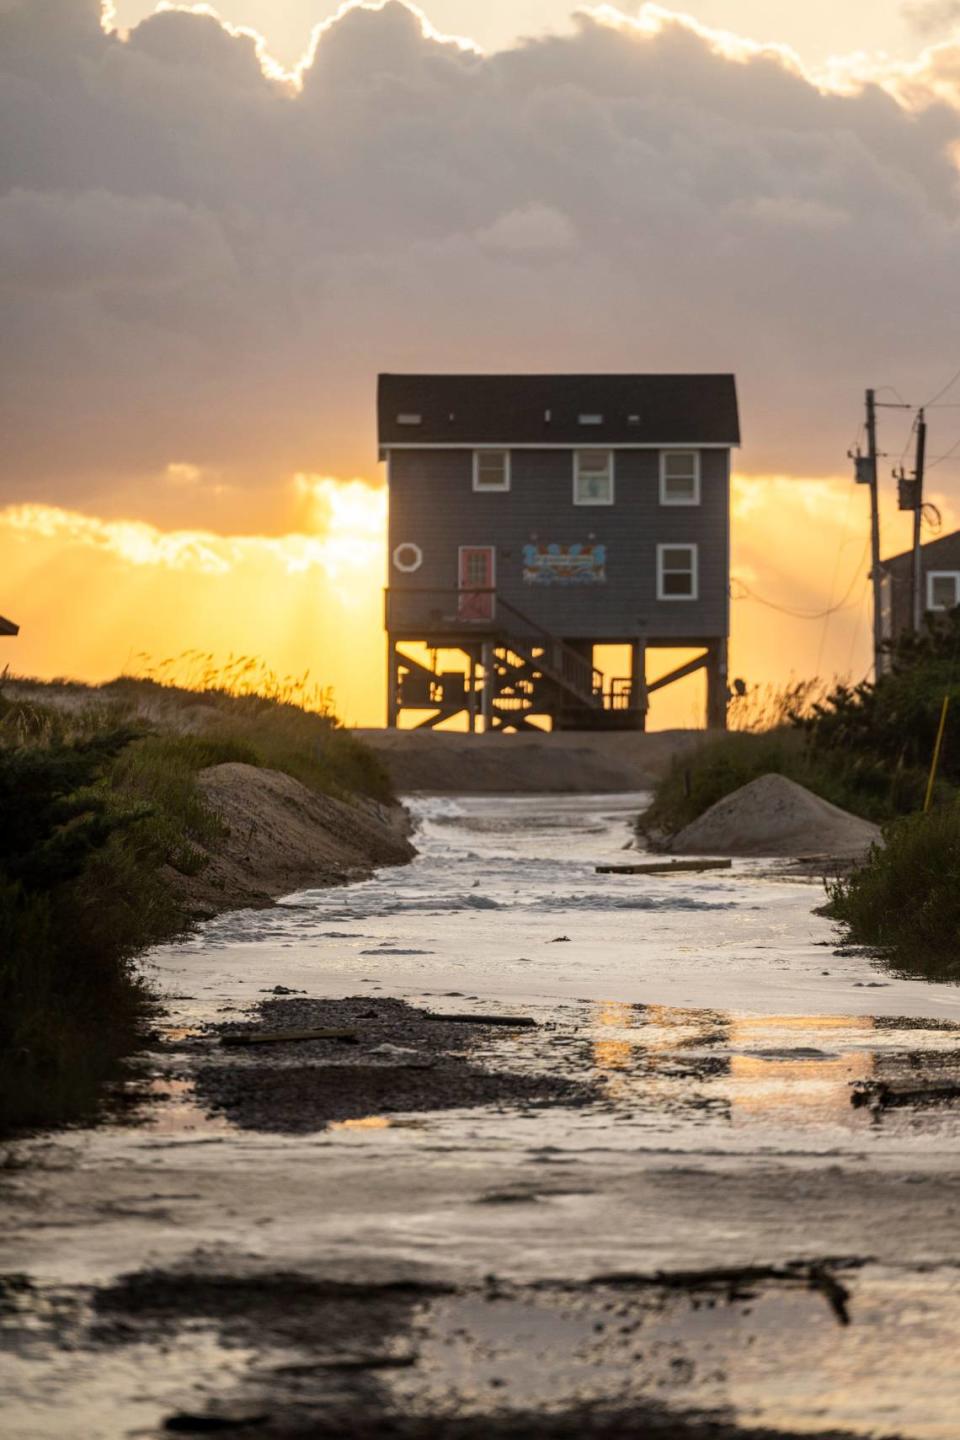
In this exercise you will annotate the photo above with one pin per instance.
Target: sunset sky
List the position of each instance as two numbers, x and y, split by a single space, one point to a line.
211 240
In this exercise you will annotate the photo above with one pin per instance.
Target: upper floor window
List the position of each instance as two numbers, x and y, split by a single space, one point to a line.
593 477
677 572
680 477
491 469
943 589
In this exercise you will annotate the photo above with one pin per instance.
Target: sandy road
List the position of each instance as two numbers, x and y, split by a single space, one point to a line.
271 1249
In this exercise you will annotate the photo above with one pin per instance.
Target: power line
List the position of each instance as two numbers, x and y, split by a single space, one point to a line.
945 456
799 614
893 391
949 386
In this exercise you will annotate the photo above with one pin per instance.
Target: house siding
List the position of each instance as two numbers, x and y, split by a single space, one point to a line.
433 505
936 555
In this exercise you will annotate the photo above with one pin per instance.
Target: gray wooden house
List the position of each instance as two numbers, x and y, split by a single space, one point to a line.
939 584
533 517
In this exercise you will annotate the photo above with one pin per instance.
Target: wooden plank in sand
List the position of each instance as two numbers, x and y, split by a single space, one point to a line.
674 867
280 1037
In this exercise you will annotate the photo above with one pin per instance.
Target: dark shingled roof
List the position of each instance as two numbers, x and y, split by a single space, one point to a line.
512 409
7 627
944 550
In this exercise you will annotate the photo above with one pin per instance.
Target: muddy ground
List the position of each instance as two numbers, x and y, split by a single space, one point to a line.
659 1210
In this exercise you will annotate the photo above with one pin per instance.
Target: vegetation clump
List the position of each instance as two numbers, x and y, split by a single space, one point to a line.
906 898
100 810
866 748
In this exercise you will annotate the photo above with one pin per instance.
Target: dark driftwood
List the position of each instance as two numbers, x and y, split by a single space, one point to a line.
514 1022
280 1037
880 1094
660 867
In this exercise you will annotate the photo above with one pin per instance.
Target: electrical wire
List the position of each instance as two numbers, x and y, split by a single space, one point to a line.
894 391
833 579
804 614
932 465
940 393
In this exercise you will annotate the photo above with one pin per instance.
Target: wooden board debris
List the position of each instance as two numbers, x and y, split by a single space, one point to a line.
672 867
515 1022
280 1037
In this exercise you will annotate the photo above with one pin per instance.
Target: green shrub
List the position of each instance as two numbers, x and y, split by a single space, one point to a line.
72 914
856 782
907 895
866 748
98 801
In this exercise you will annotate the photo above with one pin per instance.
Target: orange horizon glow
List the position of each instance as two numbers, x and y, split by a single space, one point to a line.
91 594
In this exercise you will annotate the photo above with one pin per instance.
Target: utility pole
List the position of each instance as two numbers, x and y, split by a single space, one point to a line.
866 474
918 520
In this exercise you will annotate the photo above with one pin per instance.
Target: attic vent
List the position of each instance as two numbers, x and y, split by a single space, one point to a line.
409 419
591 419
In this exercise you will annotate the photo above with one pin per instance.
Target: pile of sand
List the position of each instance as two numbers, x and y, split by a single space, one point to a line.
775 816
283 837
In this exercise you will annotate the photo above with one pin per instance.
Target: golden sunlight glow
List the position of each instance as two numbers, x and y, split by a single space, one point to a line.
614 1053
651 20
291 76
914 84
90 592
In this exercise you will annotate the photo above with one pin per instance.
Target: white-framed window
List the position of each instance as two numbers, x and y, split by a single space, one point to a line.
491 469
677 577
680 477
943 589
593 477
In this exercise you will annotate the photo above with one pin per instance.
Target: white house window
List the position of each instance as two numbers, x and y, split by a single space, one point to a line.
491 469
943 589
593 477
680 477
676 572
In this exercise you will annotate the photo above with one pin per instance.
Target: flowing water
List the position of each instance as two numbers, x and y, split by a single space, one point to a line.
716 1030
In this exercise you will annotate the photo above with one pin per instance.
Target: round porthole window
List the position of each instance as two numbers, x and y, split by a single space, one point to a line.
408 557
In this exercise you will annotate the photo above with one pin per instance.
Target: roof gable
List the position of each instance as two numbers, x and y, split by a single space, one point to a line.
565 410
945 550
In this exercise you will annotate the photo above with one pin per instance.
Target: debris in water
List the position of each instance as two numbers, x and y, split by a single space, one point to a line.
187 1424
879 1095
665 867
513 1021
280 1037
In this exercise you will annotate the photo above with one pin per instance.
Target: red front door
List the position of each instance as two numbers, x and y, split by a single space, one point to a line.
477 581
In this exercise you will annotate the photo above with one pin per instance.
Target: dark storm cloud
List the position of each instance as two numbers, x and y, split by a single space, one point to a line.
198 264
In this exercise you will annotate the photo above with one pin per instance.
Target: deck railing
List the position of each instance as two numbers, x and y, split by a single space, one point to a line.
485 613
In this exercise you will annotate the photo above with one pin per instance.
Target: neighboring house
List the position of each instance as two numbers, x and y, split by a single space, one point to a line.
939 584
533 517
7 627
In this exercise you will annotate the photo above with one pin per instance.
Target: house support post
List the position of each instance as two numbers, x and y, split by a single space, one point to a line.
393 683
472 692
489 681
717 685
639 700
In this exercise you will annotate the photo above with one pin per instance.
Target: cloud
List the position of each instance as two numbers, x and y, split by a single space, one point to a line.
931 17
202 258
530 230
347 534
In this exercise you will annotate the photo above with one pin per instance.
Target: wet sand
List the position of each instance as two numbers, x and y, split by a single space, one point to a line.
656 1213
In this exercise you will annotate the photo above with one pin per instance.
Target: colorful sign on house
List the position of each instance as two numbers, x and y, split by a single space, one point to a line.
564 564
